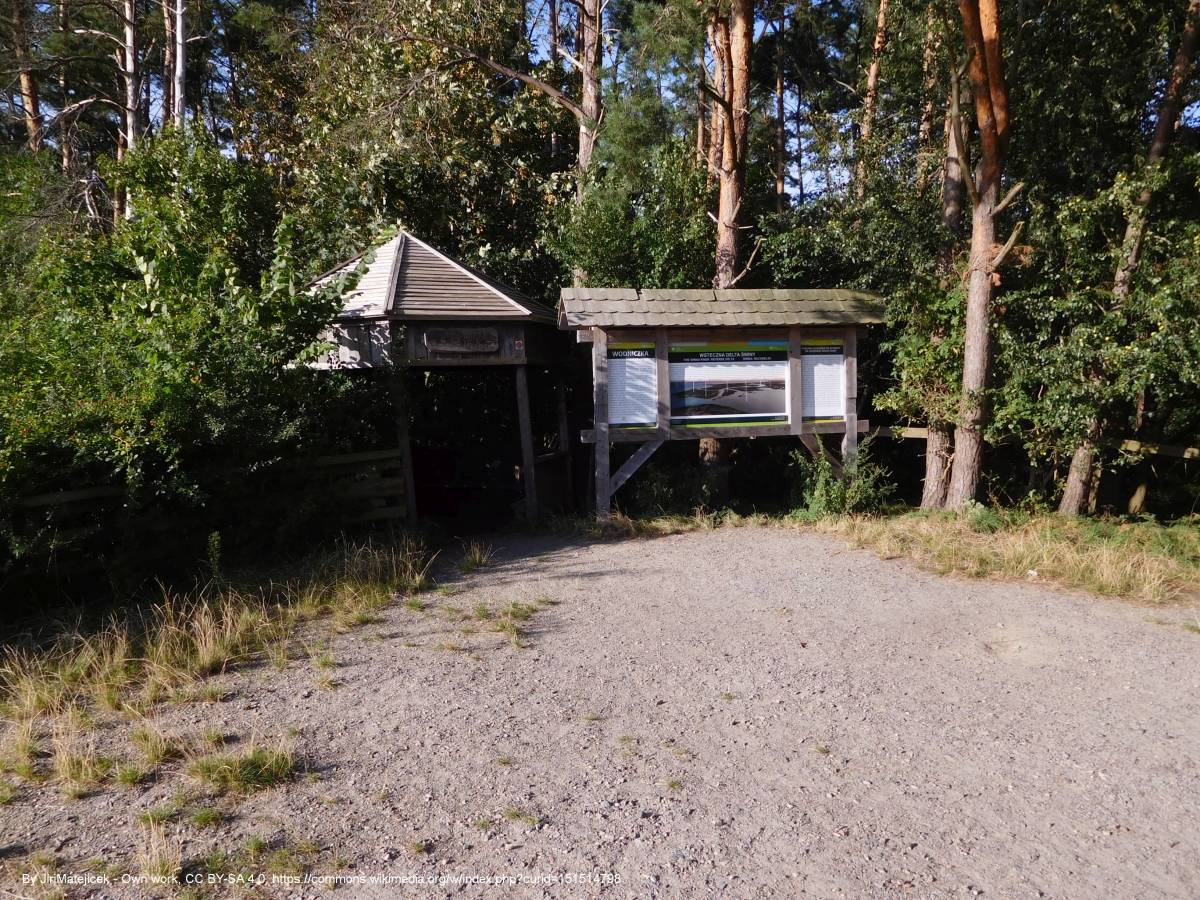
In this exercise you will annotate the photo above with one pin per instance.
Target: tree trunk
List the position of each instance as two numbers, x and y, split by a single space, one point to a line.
736 40
179 76
30 99
870 99
799 145
66 138
716 120
734 45
590 60
780 124
552 29
701 109
168 63
129 74
929 53
981 28
939 451
1075 494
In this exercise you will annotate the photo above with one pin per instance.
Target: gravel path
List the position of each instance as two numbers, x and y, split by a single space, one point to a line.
744 712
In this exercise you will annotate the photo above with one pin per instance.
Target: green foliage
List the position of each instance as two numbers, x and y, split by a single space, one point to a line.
163 352
818 492
643 224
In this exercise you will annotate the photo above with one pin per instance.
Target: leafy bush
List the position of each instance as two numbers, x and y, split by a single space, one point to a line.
818 491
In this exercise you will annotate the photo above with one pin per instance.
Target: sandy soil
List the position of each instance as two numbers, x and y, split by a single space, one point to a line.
739 713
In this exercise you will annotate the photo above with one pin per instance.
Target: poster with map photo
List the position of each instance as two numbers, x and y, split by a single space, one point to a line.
729 383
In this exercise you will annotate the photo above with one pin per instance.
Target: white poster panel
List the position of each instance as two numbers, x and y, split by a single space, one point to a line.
632 384
823 380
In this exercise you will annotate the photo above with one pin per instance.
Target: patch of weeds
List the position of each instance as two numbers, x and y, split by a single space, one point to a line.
505 761
156 815
158 855
416 604
483 824
451 647
519 612
206 817
674 784
446 590
476 555
155 745
546 601
728 696
591 717
256 845
284 861
131 775
626 740
516 814
420 847
214 737
1193 627
8 793
482 612
77 763
822 749
253 768
202 693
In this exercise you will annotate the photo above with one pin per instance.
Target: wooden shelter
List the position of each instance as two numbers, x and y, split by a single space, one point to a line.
414 307
687 364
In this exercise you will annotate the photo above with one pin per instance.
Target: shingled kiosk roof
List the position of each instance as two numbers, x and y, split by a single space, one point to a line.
408 279
631 308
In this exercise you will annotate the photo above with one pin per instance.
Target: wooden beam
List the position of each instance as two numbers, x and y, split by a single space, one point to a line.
528 464
635 462
850 357
679 433
795 380
817 449
600 405
662 345
1132 446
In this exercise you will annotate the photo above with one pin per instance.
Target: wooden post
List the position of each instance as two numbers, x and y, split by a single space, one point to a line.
401 409
850 355
663 377
564 443
528 464
600 403
795 380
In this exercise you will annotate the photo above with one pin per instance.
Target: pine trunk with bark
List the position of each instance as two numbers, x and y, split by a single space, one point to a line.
1083 461
27 80
179 64
733 45
590 61
780 124
981 29
870 99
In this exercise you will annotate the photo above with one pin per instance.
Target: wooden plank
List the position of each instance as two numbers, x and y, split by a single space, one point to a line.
662 348
679 433
525 426
600 405
635 462
850 355
898 431
795 380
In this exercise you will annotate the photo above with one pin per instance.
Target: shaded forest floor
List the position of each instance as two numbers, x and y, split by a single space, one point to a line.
734 711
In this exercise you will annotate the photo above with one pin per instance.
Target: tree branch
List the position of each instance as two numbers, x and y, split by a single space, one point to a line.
960 132
749 262
1009 198
536 83
1008 245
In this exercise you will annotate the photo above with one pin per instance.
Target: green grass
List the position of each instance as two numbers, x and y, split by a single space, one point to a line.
8 793
252 768
476 555
822 749
520 816
505 761
156 815
420 846
131 775
674 784
206 817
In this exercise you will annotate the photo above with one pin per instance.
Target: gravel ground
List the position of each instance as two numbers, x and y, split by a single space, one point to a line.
744 712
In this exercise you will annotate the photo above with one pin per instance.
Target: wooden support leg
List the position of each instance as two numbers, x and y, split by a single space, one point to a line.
401 406
850 439
600 402
817 449
635 462
564 444
528 465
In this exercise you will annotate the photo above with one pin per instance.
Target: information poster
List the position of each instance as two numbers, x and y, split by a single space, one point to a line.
632 384
729 383
823 380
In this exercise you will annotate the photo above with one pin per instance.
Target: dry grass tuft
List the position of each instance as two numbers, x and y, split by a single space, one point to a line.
250 768
1146 562
476 555
158 856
